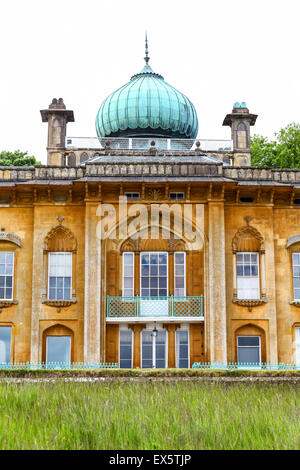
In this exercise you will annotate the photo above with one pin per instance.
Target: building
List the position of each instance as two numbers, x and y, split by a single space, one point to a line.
197 257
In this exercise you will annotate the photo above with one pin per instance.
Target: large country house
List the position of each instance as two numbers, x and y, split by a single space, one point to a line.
146 246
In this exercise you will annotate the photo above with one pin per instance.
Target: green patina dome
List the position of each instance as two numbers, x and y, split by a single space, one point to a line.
147 106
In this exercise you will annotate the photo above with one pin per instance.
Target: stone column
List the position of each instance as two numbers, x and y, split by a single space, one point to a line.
92 286
137 344
171 328
37 285
217 292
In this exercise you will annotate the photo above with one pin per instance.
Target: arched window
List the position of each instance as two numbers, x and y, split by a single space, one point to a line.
248 265
60 265
58 344
72 159
242 137
293 245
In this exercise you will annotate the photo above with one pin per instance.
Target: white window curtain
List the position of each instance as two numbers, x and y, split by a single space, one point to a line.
248 275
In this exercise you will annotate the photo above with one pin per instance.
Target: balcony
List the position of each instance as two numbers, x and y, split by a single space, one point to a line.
137 143
153 308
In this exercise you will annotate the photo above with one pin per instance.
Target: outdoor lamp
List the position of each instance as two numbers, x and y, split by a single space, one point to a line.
154 331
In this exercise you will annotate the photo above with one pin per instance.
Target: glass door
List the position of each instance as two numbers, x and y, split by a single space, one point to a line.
154 284
154 349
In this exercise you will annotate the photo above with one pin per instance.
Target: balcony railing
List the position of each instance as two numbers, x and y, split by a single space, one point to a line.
171 306
139 143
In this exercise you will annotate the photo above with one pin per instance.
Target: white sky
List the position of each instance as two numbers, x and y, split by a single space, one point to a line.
214 51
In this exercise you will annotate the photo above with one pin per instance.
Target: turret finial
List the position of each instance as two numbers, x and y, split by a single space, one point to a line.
147 58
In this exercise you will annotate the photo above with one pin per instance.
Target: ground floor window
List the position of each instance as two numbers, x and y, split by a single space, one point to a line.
58 349
154 349
5 344
249 349
182 348
126 344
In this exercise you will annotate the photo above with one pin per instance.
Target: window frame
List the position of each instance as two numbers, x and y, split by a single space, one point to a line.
250 277
133 273
129 195
11 351
293 276
12 276
248 336
184 275
50 253
149 329
177 357
70 350
176 198
132 345
167 275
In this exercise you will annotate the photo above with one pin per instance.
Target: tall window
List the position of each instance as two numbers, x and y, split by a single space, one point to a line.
154 274
182 348
6 275
5 344
128 275
179 274
60 276
126 349
247 275
242 136
296 275
249 349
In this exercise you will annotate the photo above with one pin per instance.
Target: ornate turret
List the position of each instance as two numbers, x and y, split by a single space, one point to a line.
240 121
57 117
147 106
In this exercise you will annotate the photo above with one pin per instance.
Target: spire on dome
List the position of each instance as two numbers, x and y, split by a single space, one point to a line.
147 58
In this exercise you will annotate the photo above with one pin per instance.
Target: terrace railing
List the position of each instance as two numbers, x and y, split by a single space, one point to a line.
57 365
245 365
140 143
170 306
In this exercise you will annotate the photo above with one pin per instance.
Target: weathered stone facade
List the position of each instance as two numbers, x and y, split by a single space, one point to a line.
244 209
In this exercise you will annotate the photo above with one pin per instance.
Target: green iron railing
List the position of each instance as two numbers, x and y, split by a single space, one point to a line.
170 306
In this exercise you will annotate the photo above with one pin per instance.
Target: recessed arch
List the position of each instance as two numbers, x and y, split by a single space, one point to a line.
248 238
251 329
58 329
60 238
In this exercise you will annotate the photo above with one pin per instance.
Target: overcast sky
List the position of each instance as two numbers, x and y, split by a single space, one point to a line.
214 51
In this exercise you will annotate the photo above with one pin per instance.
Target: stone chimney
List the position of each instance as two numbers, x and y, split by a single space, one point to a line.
57 117
240 121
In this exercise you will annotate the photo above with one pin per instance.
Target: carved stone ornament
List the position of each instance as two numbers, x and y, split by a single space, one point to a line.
296 303
7 303
248 232
58 232
10 237
154 194
250 303
130 245
176 245
59 304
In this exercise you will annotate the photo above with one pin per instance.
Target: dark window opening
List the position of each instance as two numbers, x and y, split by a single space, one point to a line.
246 199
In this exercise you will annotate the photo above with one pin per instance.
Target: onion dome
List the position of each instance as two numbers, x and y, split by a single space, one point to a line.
147 106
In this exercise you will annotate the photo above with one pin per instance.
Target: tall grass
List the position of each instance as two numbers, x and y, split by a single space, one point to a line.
149 415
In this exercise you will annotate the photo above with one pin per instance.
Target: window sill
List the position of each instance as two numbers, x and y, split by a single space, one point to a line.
295 302
250 303
59 304
7 303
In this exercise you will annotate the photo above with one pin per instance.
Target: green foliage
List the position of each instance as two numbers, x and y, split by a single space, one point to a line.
173 415
283 152
17 158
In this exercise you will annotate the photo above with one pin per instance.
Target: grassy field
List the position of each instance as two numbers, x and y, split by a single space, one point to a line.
149 415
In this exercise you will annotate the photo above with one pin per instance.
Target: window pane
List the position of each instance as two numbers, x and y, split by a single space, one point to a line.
248 355
248 341
5 344
182 348
125 349
179 258
58 349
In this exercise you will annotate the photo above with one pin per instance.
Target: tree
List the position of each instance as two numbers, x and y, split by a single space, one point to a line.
283 152
17 158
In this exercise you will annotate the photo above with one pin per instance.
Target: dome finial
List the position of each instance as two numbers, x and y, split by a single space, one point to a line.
147 58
